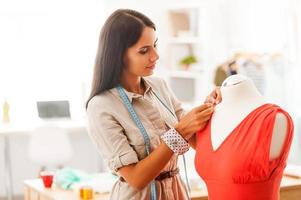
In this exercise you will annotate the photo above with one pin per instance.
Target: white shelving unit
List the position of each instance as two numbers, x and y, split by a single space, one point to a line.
184 39
185 74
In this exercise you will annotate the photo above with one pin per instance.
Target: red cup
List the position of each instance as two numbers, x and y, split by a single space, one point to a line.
47 178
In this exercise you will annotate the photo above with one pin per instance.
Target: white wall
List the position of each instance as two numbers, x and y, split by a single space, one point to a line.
47 52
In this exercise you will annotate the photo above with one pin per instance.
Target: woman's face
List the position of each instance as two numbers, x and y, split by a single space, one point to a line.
140 59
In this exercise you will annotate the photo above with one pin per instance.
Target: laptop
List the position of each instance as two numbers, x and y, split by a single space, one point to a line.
53 109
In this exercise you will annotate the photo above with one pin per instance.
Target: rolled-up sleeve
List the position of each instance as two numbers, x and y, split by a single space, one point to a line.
108 136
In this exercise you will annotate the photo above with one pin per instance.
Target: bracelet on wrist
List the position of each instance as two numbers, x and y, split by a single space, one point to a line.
175 141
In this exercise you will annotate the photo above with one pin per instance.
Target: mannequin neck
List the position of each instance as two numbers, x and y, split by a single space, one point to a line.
241 92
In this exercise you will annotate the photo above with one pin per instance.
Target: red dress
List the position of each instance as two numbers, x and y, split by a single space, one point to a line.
240 168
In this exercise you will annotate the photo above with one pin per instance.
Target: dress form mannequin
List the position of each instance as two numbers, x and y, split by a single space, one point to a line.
240 97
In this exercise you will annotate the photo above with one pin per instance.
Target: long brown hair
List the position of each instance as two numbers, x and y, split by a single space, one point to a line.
121 30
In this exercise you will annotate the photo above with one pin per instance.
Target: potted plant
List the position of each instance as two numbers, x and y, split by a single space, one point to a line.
187 61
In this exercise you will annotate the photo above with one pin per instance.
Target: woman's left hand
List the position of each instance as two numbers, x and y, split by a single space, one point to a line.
214 97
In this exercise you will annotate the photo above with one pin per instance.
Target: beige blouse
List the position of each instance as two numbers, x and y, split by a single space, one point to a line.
120 142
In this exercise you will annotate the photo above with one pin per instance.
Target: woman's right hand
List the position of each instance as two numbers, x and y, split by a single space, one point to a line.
195 120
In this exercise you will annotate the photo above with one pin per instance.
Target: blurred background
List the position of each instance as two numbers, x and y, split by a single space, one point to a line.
47 52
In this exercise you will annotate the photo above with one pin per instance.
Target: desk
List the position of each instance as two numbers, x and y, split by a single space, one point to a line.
34 190
12 129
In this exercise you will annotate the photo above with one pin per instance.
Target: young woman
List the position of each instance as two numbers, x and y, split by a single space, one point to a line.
135 120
